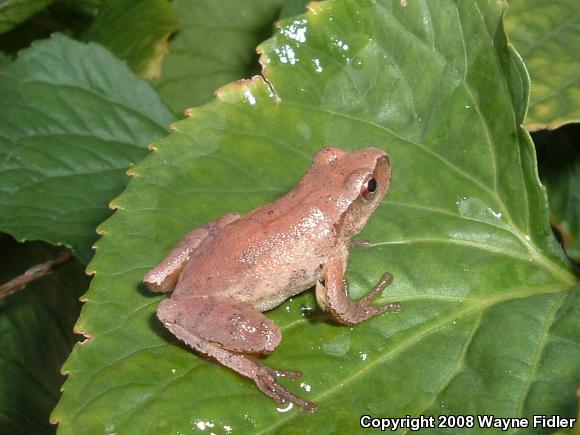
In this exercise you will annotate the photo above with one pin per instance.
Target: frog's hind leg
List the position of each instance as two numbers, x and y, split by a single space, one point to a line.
163 277
227 332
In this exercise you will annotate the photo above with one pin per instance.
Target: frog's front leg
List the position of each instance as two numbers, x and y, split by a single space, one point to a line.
227 332
163 277
333 298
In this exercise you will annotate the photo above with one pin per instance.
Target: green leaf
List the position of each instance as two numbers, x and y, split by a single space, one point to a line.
71 17
35 336
216 44
560 171
490 320
4 60
14 12
292 8
135 31
72 119
547 36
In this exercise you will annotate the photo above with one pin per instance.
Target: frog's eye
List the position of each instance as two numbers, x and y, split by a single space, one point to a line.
369 188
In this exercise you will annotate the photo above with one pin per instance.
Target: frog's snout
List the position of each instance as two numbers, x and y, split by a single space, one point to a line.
385 160
165 311
383 172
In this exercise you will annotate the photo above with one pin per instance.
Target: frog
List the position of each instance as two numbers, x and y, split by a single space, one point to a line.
225 274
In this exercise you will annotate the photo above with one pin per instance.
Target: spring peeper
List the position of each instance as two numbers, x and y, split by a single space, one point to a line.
224 274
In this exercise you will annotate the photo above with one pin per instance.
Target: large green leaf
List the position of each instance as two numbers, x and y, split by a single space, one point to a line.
35 336
547 36
71 17
13 12
291 8
136 31
72 119
215 45
560 170
490 321
4 60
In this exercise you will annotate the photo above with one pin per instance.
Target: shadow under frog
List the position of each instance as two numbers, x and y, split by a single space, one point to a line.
224 274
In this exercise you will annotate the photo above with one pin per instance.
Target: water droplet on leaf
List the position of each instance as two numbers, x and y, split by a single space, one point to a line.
357 63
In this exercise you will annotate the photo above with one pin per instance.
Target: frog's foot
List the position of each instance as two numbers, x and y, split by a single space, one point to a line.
363 310
264 377
269 386
226 333
336 301
365 303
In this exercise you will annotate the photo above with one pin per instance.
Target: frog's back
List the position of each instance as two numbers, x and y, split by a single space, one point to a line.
262 258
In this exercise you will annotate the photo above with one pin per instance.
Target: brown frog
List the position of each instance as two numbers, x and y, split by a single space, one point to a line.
224 274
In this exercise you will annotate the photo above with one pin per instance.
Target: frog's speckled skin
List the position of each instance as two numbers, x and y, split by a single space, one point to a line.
223 274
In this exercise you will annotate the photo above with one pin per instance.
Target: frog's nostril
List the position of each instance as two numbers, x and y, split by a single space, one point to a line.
385 159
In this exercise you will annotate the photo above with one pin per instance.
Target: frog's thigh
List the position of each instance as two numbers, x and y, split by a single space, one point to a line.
235 327
163 277
223 331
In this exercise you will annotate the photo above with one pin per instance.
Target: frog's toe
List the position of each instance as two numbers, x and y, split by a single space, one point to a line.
385 281
269 386
291 374
392 306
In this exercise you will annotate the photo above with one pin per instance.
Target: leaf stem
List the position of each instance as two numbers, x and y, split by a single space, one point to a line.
34 273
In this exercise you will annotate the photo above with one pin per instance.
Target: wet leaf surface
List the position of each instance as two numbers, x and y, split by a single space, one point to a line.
490 321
